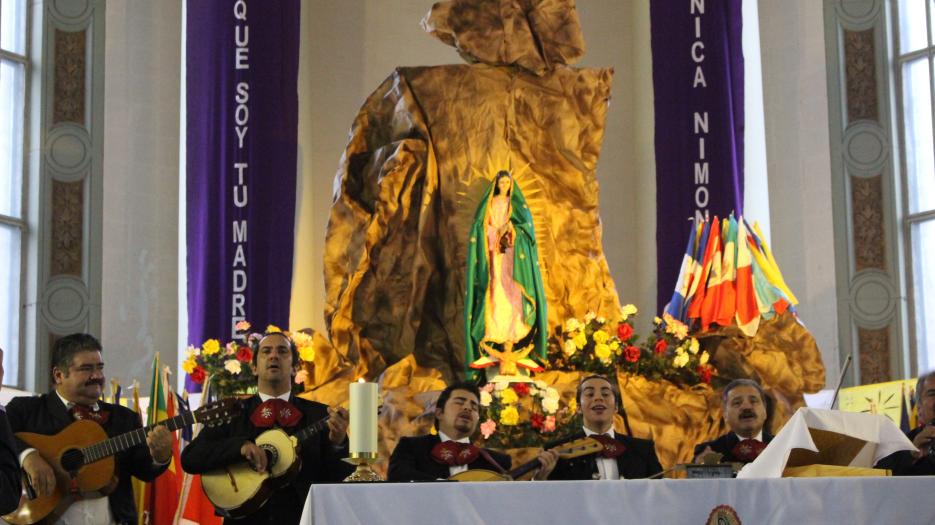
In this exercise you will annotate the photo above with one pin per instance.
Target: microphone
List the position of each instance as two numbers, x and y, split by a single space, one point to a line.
847 363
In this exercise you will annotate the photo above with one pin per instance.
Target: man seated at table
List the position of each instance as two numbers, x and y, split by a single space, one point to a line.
432 457
623 457
275 362
921 462
744 405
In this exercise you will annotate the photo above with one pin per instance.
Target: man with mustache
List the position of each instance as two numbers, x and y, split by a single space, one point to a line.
921 462
437 457
623 457
78 377
744 406
9 464
275 363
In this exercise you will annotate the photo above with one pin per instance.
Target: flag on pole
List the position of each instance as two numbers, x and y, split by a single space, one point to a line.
194 506
676 304
727 300
707 261
162 494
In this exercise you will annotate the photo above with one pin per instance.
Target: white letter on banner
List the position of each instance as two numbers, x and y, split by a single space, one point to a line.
697 49
701 217
701 148
241 134
243 195
240 281
699 78
240 166
240 58
701 173
701 122
240 230
697 6
241 42
241 114
701 197
698 27
243 93
236 319
239 256
238 305
240 10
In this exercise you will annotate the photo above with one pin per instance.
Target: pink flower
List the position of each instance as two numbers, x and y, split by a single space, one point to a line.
242 326
301 377
487 428
487 388
549 425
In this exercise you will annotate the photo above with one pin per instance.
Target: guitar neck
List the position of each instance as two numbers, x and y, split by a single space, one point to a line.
117 444
311 430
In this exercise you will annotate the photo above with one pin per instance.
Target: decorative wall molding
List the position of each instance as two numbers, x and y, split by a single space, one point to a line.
860 68
70 77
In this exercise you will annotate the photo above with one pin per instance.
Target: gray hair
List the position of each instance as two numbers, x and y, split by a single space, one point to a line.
741 382
920 385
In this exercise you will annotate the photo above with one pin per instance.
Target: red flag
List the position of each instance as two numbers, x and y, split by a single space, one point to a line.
748 313
194 507
162 494
714 245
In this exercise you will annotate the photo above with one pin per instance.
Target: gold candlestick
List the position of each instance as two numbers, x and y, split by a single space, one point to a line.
364 472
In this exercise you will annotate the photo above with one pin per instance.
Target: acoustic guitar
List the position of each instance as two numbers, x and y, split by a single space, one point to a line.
82 457
572 449
238 490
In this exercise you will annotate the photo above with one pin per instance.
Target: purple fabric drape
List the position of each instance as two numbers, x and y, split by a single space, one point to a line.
698 88
242 121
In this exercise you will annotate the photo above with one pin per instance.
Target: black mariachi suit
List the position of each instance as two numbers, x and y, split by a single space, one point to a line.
726 443
217 447
10 488
637 461
46 414
903 464
412 460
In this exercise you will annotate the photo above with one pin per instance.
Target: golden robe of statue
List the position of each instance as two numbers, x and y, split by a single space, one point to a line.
421 153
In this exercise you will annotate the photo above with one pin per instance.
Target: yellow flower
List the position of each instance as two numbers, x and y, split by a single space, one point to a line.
657 320
602 351
573 405
680 360
569 347
572 324
627 311
588 317
189 365
614 345
581 340
703 359
211 347
600 336
693 346
301 339
307 353
508 396
272 329
509 416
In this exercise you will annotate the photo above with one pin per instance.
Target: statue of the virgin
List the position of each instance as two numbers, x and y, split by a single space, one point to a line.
504 306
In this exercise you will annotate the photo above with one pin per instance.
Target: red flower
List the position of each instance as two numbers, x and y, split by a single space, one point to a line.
537 420
522 389
624 331
198 374
631 353
705 373
244 355
661 346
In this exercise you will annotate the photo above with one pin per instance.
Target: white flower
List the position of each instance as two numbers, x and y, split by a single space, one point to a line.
540 384
551 393
501 386
572 324
627 311
192 350
601 319
232 366
533 391
485 398
588 317
569 347
550 405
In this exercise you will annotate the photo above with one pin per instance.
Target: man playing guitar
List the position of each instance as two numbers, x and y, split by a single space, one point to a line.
78 375
275 359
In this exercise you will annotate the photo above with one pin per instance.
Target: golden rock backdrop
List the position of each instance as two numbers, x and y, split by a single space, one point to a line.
422 149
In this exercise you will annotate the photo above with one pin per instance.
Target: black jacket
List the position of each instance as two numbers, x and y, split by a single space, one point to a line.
412 460
10 488
903 464
726 443
217 447
46 414
637 461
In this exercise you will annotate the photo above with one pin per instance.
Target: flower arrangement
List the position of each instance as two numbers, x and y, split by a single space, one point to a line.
670 354
598 346
523 415
228 368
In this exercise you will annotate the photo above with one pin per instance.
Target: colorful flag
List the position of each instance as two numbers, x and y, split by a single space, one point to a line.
162 494
727 292
702 231
748 313
677 303
713 246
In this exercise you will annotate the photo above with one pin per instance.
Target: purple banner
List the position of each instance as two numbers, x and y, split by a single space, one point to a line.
698 89
242 103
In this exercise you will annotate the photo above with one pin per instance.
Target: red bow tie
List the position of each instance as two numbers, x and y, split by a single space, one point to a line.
275 411
612 447
83 412
452 453
747 450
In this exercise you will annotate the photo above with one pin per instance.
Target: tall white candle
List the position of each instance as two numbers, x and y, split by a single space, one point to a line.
363 413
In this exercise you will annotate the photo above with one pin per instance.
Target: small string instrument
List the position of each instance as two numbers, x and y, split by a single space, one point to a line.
572 449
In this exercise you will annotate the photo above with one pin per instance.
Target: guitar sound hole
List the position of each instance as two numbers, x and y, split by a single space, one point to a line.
72 460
